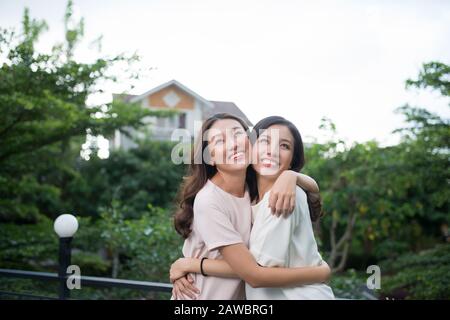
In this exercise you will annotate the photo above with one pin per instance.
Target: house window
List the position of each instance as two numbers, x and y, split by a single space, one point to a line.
182 121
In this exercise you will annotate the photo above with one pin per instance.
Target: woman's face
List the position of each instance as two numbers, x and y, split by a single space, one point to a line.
228 144
273 151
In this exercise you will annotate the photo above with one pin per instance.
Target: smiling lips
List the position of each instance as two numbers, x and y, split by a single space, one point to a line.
237 155
268 162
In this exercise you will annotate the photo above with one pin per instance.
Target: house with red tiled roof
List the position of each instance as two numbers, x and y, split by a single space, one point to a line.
191 109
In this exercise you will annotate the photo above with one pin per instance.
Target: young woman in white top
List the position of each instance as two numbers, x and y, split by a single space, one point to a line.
215 219
286 242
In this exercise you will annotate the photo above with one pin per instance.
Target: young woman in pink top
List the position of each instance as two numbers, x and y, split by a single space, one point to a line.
215 217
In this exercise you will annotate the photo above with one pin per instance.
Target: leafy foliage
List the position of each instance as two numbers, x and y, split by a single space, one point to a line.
135 178
45 117
423 275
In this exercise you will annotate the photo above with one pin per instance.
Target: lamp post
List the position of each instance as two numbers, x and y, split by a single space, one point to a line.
65 226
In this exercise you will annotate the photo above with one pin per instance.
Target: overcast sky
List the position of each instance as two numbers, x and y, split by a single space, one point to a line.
304 60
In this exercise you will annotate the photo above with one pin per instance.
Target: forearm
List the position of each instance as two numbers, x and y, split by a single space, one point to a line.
244 264
291 277
306 182
212 267
267 277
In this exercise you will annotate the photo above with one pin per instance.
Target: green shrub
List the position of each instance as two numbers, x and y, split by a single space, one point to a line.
349 284
423 275
29 246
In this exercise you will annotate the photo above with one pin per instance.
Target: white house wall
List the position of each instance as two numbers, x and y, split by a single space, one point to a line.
194 118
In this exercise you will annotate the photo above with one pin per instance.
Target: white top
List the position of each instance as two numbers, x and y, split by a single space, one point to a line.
285 242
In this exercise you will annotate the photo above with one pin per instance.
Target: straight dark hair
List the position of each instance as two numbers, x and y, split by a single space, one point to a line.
297 163
198 175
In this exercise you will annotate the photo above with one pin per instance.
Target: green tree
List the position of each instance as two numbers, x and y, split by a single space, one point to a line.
385 201
44 117
135 178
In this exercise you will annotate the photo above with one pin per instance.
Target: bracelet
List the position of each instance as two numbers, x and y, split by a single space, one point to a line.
201 267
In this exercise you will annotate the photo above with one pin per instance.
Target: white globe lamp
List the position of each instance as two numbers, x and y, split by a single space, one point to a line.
66 225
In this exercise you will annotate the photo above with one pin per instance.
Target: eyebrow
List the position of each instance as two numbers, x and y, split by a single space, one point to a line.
286 140
214 136
281 140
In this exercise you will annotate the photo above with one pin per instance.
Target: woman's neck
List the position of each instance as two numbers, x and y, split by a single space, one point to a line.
233 183
264 184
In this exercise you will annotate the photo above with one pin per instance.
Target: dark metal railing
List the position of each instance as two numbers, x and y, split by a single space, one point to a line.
66 226
84 281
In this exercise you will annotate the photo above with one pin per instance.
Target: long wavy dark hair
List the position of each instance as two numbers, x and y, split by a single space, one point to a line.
197 176
297 163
